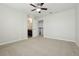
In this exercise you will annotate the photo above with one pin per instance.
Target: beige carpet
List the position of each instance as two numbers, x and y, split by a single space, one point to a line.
40 47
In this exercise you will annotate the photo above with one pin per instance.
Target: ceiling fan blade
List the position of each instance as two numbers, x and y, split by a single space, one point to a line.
44 8
39 11
33 9
41 4
32 5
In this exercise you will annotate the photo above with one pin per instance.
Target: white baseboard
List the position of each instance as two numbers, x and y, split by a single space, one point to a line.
8 42
62 39
67 40
77 44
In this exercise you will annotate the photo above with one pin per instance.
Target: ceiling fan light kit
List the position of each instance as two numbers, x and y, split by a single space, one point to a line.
38 9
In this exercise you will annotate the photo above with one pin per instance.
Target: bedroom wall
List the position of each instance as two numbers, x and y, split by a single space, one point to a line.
13 25
60 25
77 25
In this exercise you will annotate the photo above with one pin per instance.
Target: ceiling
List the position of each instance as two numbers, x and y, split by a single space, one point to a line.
52 7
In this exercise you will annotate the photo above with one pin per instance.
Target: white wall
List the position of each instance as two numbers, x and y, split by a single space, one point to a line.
77 25
60 25
35 27
13 25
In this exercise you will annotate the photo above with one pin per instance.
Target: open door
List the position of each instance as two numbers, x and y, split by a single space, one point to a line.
29 27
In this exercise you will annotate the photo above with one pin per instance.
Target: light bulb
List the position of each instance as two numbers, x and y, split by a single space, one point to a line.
38 10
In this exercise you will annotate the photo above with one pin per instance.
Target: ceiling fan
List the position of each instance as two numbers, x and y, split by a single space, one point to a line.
38 7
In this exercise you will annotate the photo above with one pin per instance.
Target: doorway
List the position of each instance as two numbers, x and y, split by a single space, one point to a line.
40 27
30 27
